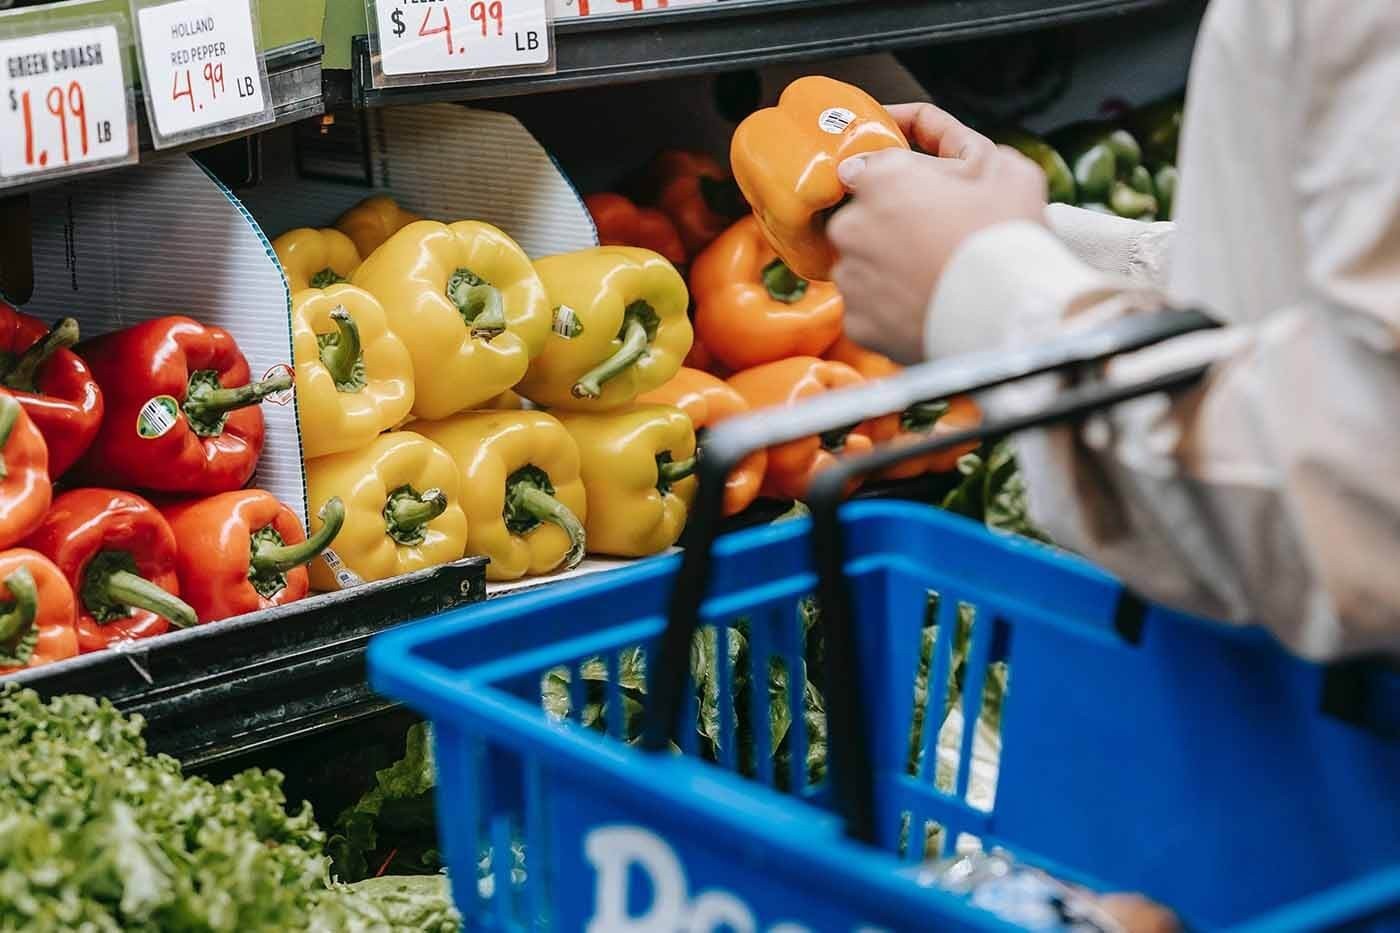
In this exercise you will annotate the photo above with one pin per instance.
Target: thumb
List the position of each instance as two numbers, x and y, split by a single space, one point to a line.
850 170
894 164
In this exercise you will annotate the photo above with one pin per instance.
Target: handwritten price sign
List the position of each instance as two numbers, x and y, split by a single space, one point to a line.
575 8
432 36
63 101
202 70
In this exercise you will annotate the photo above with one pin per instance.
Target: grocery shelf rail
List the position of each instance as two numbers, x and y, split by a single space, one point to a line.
230 688
712 37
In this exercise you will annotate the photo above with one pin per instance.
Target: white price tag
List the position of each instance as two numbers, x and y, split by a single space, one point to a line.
566 9
435 36
63 101
201 69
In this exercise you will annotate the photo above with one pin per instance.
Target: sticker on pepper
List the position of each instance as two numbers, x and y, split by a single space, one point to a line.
344 576
157 417
566 322
283 396
836 120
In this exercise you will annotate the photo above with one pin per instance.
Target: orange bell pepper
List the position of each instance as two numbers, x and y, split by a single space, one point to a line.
38 614
622 223
706 401
915 423
750 308
698 195
792 466
785 160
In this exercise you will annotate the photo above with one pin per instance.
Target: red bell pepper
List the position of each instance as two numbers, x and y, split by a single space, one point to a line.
243 551
52 382
118 554
25 490
36 612
622 223
698 195
182 411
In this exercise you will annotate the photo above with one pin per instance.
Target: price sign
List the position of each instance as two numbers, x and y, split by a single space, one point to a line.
574 8
63 102
436 36
201 69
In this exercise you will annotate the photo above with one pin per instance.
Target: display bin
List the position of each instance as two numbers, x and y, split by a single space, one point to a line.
1141 749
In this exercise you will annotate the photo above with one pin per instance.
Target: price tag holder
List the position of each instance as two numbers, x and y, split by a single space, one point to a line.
66 104
202 70
416 42
577 9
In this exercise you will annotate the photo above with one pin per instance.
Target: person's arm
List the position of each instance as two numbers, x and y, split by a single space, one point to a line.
1271 492
1141 252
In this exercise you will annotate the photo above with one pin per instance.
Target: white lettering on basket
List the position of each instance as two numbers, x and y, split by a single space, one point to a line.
616 850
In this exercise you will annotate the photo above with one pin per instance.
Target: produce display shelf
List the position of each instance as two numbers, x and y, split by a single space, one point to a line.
220 692
715 37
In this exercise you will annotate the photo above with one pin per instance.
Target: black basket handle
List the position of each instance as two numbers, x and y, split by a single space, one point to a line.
732 441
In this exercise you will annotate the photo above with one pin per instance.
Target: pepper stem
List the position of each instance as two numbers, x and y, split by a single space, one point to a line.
525 498
129 589
479 302
9 414
25 372
639 323
921 418
1127 201
326 278
208 403
669 472
407 512
341 352
782 283
269 558
674 471
18 618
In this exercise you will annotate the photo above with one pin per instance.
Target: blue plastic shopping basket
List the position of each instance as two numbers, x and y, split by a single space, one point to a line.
1140 750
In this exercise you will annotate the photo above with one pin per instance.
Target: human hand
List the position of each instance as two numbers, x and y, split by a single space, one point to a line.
908 214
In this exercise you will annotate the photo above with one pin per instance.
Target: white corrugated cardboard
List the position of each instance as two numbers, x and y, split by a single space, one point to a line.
164 238
447 163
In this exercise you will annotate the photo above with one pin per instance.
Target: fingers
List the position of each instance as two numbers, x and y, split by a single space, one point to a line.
939 133
888 165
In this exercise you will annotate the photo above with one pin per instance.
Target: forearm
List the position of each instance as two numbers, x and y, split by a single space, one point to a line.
1254 497
1139 251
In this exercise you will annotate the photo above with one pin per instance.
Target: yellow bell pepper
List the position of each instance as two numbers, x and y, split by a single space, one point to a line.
373 221
315 258
524 500
403 511
506 401
620 328
467 302
354 377
637 466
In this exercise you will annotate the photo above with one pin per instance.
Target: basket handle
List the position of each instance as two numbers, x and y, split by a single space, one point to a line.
852 779
733 440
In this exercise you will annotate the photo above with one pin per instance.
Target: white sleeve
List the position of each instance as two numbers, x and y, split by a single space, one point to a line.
1138 251
1271 492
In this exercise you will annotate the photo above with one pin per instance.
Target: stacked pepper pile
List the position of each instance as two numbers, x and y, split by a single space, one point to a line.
417 344
150 434
768 321
1124 166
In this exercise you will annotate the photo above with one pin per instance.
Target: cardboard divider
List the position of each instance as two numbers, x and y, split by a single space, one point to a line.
442 161
165 238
